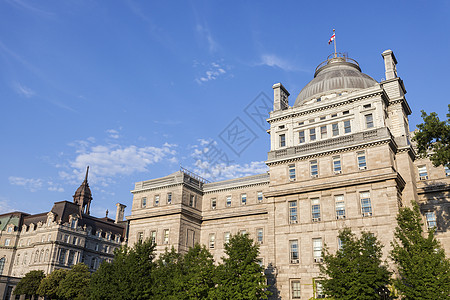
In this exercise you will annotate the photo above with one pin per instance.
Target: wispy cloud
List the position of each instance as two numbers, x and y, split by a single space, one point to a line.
205 34
5 206
23 90
31 184
273 60
114 134
54 187
213 71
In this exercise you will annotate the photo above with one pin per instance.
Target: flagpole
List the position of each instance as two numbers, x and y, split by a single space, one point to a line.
334 33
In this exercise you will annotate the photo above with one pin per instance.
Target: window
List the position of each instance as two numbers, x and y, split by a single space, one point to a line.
73 224
281 127
334 115
293 212
169 198
10 229
66 238
25 259
337 165
140 236
2 264
447 171
431 219
293 249
423 173
244 199
144 202
291 172
317 250
361 157
340 206
311 121
319 290
301 123
335 129
71 258
228 201
312 134
7 242
347 127
166 236
212 240
226 237
93 263
213 203
367 106
191 200
282 140
315 209
243 232
301 136
340 244
295 288
259 235
43 238
156 200
314 168
106 249
96 247
345 112
369 120
323 132
323 118
62 256
49 238
190 238
46 255
366 205
260 197
75 240
153 236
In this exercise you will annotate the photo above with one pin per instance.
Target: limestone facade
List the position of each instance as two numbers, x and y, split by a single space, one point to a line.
341 156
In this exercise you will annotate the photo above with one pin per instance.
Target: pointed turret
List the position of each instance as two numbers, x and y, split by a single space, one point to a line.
83 196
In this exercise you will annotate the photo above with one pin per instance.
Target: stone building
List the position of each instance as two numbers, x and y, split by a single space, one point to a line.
341 156
57 239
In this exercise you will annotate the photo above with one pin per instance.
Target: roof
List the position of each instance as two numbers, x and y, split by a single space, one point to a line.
335 75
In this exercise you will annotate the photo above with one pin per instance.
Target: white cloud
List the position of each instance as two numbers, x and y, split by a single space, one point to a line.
114 134
54 187
205 33
214 70
222 171
273 60
5 207
30 184
23 90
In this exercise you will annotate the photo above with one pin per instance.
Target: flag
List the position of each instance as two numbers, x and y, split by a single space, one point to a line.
332 38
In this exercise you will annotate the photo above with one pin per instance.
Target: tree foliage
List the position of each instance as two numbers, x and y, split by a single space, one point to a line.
433 138
128 276
240 276
29 284
423 269
49 285
355 271
75 284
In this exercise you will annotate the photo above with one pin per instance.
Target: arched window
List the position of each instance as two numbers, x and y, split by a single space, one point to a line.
25 258
41 256
93 263
36 256
46 255
2 264
17 260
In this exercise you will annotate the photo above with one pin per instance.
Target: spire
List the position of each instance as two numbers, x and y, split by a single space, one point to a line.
87 171
83 195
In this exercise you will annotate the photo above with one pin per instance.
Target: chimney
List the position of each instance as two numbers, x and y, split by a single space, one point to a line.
280 97
389 64
120 212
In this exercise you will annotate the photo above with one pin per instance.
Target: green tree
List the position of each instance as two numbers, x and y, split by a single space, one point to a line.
128 276
423 269
168 276
29 284
75 285
433 138
240 276
356 270
49 285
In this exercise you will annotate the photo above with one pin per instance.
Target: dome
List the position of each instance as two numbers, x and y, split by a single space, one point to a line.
337 74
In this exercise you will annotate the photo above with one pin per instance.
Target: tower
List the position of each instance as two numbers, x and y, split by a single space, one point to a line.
83 196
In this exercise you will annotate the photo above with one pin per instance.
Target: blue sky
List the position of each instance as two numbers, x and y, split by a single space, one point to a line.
136 88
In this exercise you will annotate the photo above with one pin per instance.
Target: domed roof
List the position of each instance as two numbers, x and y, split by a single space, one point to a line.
335 75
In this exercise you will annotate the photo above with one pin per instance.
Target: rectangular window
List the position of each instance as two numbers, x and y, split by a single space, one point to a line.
315 209
191 200
319 290
62 256
335 129
337 165
166 236
323 118
361 156
323 132
293 249
340 244
301 123
212 240
7 242
144 202
156 200
259 235
431 219
295 288
334 115
291 172
301 136
153 236
243 199
317 250
140 236
347 127
312 134
169 198
293 212
243 231
366 205
260 197
228 203
314 168
345 112
423 173
226 237
311 121
213 203
369 120
340 206
282 140
74 241
367 106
